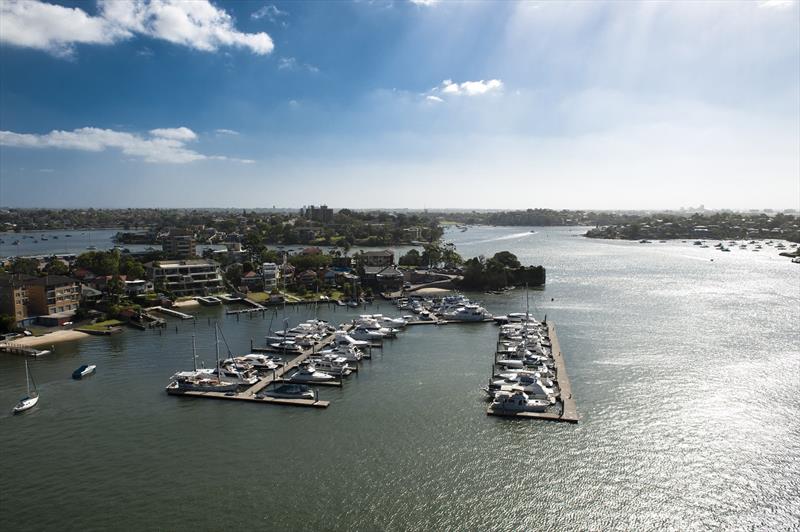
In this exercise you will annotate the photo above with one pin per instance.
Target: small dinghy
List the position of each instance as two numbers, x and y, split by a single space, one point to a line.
83 371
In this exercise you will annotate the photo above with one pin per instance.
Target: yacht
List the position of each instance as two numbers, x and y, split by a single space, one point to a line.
518 402
342 338
238 373
194 381
200 380
330 364
287 345
261 362
369 335
310 374
471 312
290 391
254 360
348 352
535 388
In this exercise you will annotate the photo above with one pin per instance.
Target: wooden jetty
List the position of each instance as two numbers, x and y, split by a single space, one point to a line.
28 351
446 322
569 410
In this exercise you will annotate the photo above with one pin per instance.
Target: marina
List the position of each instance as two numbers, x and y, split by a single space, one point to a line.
421 391
371 330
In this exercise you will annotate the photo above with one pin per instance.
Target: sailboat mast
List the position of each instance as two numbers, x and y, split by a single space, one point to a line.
194 353
527 304
27 379
216 351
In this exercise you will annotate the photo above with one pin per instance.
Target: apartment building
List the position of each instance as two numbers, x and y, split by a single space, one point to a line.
14 296
53 294
180 246
186 277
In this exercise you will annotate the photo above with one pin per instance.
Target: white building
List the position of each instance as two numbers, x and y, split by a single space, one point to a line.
186 277
271 274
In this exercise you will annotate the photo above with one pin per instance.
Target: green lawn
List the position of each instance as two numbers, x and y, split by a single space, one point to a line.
102 325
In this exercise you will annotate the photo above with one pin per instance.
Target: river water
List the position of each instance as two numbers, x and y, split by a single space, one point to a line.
685 372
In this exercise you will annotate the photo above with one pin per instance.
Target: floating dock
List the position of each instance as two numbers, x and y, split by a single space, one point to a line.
276 377
569 410
171 312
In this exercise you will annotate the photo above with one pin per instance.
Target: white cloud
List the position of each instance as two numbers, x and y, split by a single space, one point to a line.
197 24
271 12
290 63
165 145
471 88
424 2
56 29
178 133
223 131
53 28
466 88
776 4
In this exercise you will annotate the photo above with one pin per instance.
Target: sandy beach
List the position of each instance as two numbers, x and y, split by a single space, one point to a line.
49 338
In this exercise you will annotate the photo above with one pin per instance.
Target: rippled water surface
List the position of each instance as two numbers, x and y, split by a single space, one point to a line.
685 372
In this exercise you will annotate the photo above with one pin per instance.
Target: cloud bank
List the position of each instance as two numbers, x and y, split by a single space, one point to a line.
163 145
56 29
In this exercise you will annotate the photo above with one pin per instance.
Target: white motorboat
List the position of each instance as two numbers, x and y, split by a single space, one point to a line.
83 371
342 338
471 312
31 397
331 364
349 353
257 361
287 345
368 335
535 389
310 374
236 373
290 391
518 402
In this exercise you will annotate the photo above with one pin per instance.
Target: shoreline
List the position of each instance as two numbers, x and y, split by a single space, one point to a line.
49 338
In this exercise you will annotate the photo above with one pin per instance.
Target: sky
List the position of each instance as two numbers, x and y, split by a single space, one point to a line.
400 104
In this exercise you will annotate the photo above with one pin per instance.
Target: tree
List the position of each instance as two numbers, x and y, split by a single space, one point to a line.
7 323
56 266
507 259
412 258
132 268
25 266
234 274
432 255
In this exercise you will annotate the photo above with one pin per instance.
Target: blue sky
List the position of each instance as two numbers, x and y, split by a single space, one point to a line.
400 104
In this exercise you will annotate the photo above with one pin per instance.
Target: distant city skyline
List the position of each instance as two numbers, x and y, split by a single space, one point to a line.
400 104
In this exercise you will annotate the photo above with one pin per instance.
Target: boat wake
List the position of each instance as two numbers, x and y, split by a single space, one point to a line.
499 238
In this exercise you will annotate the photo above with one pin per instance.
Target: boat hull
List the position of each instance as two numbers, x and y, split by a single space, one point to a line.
26 404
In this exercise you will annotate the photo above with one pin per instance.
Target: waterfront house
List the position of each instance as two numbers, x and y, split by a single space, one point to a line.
186 277
378 258
252 281
308 278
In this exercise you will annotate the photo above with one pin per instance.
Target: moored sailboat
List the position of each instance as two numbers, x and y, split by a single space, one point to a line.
31 398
